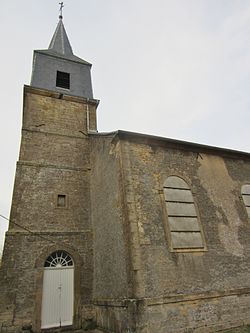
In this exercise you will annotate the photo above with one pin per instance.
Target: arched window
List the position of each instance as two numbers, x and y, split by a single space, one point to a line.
245 192
59 259
184 226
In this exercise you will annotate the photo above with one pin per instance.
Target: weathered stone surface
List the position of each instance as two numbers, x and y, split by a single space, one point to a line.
202 291
54 160
129 277
107 209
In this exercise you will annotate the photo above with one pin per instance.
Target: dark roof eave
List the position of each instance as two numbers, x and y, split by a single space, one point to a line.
178 144
61 56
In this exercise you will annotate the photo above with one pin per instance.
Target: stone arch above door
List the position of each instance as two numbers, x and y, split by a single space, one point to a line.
59 258
39 268
50 249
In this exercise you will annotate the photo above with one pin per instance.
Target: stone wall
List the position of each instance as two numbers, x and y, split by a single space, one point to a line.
203 313
114 224
107 211
54 160
223 266
169 291
25 275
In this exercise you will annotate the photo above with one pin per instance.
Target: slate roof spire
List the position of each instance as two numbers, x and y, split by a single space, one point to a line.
60 42
58 62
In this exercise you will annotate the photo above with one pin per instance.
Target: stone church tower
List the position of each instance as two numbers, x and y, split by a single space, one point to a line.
50 214
131 232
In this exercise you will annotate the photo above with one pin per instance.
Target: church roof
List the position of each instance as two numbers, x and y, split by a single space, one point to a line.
60 46
60 42
173 143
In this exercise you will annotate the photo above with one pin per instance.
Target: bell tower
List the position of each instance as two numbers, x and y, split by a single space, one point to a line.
50 212
58 69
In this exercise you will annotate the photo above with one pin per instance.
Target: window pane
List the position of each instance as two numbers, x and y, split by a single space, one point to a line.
178 223
178 195
245 189
175 182
183 222
181 209
59 259
246 199
245 192
248 211
187 240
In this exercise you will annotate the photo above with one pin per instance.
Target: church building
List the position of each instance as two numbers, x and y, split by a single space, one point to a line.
127 232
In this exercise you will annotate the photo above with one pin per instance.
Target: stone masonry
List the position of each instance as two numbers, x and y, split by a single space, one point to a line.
157 230
54 159
157 289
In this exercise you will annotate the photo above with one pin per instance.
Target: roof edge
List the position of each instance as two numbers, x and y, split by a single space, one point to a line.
185 145
52 54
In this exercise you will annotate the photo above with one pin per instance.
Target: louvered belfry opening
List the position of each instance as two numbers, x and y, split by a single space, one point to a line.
63 80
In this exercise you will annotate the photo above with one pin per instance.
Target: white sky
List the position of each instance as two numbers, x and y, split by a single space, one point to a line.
173 68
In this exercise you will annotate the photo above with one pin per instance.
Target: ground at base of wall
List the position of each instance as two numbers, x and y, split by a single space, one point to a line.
245 329
90 328
82 331
79 331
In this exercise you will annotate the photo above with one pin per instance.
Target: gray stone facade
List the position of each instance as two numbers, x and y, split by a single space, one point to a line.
118 222
115 225
169 291
54 159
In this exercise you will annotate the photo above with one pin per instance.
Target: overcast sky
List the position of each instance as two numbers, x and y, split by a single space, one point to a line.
172 68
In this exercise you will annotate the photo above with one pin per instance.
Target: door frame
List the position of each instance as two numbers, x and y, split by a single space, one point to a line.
50 271
39 267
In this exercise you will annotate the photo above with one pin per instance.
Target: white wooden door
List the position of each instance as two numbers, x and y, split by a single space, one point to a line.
58 297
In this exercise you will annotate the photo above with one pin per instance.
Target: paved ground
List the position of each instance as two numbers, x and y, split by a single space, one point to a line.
58 330
83 331
77 331
234 330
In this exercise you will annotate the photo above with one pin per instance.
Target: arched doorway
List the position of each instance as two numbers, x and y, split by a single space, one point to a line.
58 290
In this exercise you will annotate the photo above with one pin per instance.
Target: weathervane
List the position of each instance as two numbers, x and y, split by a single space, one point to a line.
61 10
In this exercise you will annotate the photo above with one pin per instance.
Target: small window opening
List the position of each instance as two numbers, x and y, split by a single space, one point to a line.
63 80
61 200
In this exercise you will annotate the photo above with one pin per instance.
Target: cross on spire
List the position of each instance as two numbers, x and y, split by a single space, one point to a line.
61 10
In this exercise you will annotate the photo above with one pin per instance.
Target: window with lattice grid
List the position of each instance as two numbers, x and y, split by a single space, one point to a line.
59 259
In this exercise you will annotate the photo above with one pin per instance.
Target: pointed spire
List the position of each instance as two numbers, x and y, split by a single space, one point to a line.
48 66
60 42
